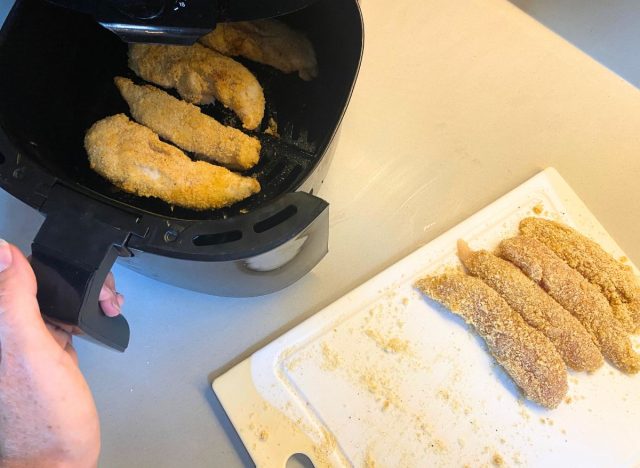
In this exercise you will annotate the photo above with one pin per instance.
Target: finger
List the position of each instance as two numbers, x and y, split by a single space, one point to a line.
21 324
109 301
120 299
110 282
111 307
106 293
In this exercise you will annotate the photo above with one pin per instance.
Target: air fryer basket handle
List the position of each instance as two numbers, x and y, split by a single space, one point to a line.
72 255
69 292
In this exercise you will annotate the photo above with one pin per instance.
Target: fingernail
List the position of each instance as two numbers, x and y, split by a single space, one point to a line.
5 255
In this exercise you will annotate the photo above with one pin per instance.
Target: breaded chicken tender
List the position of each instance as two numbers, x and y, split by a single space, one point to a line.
536 307
576 294
525 353
201 75
618 284
187 127
267 41
133 158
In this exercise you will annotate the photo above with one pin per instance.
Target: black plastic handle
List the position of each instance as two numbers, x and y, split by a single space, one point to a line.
72 255
174 21
69 291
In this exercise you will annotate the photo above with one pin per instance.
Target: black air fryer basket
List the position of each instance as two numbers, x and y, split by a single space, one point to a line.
56 79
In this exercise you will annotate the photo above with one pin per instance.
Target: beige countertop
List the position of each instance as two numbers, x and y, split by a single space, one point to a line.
457 102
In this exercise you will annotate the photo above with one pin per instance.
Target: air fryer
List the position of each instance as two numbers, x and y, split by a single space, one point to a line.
56 79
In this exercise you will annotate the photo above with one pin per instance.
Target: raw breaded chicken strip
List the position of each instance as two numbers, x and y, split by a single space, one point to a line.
536 307
267 41
133 158
576 294
525 353
618 284
186 126
201 75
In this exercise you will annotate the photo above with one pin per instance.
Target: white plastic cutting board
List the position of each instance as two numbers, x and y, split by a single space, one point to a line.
384 377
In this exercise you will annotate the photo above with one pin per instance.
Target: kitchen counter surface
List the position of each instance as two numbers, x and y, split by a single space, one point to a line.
457 102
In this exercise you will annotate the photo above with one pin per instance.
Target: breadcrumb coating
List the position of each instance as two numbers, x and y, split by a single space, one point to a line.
187 127
201 75
615 280
526 354
536 307
267 41
572 291
133 158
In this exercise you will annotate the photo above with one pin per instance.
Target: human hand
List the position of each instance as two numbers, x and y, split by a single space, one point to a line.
47 413
111 301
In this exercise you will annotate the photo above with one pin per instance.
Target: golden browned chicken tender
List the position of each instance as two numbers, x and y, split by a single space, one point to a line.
576 294
267 41
133 158
536 307
186 126
525 353
618 284
201 75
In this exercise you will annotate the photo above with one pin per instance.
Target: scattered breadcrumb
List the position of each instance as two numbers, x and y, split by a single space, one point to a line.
330 359
439 446
272 128
369 462
497 460
294 363
538 209
380 386
388 345
325 448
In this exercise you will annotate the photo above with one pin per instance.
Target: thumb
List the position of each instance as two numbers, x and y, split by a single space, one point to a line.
20 319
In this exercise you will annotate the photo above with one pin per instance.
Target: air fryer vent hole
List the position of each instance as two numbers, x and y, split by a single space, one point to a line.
217 239
278 218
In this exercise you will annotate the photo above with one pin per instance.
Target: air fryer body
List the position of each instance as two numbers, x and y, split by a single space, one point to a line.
57 69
